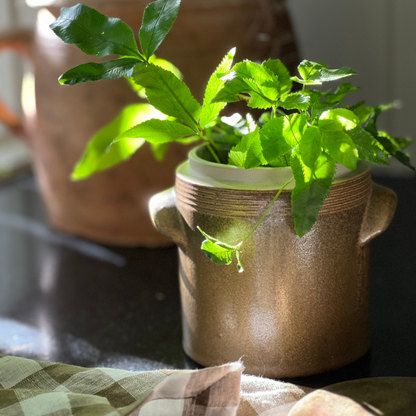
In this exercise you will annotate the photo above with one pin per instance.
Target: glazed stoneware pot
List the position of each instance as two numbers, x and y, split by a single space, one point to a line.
301 305
111 206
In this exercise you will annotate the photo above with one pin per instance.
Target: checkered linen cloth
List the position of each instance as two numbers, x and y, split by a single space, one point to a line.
35 388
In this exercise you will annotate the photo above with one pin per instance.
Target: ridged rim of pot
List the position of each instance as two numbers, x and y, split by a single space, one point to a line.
205 173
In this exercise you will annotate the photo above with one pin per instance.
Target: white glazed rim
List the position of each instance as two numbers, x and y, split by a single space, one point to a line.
202 172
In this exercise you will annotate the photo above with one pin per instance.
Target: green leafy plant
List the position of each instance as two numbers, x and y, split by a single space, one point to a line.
309 130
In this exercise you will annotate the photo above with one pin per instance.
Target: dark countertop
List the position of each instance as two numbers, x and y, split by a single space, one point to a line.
69 300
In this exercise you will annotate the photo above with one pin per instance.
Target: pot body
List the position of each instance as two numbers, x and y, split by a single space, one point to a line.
111 206
301 305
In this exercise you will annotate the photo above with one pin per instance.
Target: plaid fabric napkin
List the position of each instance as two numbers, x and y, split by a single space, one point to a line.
35 388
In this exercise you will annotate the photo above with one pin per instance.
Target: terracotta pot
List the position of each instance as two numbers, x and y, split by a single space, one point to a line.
111 206
301 305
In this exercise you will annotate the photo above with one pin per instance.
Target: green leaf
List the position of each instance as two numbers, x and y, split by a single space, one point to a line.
248 153
159 150
346 118
217 251
338 144
158 19
278 69
252 71
94 33
310 146
280 135
318 107
399 143
168 94
118 68
369 149
251 124
211 110
100 155
312 188
156 131
233 90
295 101
341 92
363 113
390 147
317 72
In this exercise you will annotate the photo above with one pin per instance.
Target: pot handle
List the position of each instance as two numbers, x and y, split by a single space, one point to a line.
166 217
379 213
19 41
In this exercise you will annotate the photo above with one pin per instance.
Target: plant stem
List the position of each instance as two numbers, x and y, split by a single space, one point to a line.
267 211
281 112
213 148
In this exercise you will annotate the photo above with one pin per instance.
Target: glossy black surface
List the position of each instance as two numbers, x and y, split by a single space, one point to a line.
69 300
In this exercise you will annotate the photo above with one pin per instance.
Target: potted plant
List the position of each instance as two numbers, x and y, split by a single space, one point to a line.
287 197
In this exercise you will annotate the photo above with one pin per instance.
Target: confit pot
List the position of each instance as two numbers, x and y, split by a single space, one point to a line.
301 306
111 206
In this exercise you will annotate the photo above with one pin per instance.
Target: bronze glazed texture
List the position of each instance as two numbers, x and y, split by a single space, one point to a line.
301 305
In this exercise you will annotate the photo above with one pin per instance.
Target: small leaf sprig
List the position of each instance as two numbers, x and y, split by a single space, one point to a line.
309 131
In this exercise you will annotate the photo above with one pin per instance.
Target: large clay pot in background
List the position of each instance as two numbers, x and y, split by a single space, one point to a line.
301 306
111 206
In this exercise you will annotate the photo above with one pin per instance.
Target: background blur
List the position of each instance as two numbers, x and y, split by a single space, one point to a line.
374 37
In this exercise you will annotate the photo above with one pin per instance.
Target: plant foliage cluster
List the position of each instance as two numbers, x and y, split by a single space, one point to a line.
309 130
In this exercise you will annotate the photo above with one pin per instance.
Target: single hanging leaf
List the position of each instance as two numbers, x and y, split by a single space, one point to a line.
122 67
100 155
158 19
318 72
277 67
312 188
280 135
369 149
338 144
346 118
217 251
251 124
157 131
210 111
341 92
310 146
168 94
159 150
295 101
94 33
399 143
248 153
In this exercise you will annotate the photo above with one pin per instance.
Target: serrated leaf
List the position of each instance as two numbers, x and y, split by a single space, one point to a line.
362 112
251 124
389 146
310 146
312 188
369 149
168 94
94 33
92 71
280 135
158 19
233 90
253 71
295 101
318 107
211 110
399 143
309 68
346 118
100 155
217 251
338 144
157 131
276 67
318 72
342 90
248 153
